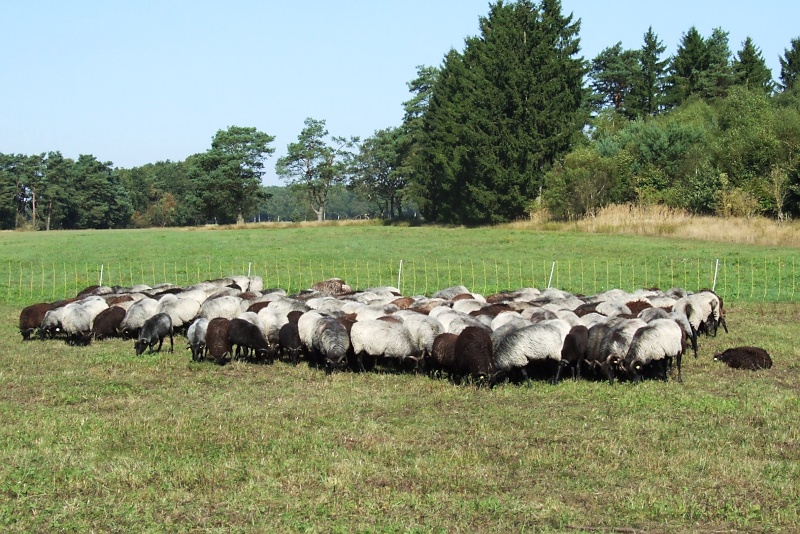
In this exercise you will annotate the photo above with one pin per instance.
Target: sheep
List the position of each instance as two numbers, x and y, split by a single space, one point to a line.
154 330
697 311
289 341
655 344
717 316
382 339
593 357
423 329
332 287
217 346
615 344
474 355
137 314
751 358
227 306
573 352
182 311
78 317
107 322
31 317
442 355
247 337
330 343
51 323
272 321
196 336
306 325
535 344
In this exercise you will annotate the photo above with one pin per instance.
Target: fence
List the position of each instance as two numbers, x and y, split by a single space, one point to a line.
747 279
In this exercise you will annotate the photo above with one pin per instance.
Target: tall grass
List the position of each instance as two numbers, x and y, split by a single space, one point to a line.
663 221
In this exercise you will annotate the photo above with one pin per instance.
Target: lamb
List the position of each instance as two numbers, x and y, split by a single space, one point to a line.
751 358
382 339
31 317
217 346
247 337
655 345
196 335
474 355
107 322
154 330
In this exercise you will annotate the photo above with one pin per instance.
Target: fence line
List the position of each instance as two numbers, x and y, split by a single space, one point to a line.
767 280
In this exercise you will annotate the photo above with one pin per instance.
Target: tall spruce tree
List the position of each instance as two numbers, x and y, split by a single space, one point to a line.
750 69
790 67
615 73
500 114
648 92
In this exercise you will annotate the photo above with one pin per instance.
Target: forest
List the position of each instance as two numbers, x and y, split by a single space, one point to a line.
516 123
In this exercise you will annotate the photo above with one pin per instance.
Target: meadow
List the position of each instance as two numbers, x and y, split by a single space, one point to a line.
95 438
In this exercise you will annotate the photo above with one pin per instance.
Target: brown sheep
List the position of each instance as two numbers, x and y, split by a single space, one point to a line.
30 318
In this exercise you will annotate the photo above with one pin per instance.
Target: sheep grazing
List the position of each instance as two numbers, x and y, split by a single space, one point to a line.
217 346
750 358
532 347
442 355
196 336
474 356
31 317
289 342
654 346
248 338
382 339
154 330
139 312
330 343
573 352
107 322
333 287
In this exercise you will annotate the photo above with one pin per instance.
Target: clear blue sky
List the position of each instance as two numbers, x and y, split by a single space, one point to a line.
135 82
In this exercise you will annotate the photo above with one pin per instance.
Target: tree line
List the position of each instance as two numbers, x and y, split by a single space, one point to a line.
518 121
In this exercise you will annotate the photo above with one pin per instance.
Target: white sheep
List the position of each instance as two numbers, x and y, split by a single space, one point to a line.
657 343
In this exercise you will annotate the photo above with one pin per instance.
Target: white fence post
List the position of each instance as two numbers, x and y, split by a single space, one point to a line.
101 274
552 270
399 273
716 270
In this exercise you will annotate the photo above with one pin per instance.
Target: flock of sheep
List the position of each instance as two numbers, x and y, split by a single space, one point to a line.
513 335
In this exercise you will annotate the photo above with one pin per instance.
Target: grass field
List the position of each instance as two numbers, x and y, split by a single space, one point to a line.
94 438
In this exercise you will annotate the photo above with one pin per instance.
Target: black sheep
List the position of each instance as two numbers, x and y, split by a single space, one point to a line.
474 356
289 342
107 322
247 337
573 352
31 317
752 358
442 356
217 346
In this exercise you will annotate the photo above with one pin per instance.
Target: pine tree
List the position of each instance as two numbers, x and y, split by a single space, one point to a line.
790 67
750 69
648 92
500 114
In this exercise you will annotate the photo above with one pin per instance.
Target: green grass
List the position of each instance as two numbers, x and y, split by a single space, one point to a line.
95 438
47 266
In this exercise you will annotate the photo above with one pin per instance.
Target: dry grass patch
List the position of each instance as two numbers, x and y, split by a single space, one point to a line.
664 221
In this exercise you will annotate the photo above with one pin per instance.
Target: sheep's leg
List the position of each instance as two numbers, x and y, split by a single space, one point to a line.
170 342
160 342
678 363
525 376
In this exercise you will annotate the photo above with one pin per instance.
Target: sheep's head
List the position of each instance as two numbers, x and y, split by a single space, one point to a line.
139 346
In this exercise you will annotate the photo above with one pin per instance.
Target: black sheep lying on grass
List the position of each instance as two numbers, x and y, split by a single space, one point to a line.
752 358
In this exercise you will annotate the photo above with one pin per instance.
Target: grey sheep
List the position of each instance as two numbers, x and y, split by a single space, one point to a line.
139 312
534 345
383 339
154 330
196 336
653 347
330 343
